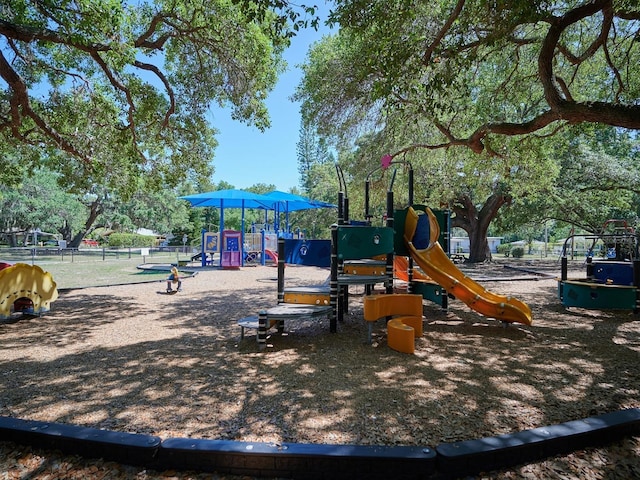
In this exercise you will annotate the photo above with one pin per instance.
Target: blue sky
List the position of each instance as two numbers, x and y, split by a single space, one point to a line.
245 156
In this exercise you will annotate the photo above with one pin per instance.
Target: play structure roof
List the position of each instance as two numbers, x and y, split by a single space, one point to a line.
276 200
230 199
290 202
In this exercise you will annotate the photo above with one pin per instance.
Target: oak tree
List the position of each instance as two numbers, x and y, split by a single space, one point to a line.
482 76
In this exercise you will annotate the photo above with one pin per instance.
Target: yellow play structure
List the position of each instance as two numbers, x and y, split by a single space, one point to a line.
432 259
405 325
22 283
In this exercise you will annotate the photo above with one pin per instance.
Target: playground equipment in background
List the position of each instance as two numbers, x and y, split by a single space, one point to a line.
613 282
25 288
230 256
256 247
276 201
272 255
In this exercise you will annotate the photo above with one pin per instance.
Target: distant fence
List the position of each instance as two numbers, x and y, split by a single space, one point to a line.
54 254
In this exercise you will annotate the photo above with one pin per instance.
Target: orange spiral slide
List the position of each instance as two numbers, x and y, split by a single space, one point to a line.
430 257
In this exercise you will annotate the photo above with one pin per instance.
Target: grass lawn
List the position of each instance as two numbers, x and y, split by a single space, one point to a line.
92 274
92 270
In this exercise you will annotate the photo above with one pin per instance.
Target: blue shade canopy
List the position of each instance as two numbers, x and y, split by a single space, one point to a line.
290 202
230 199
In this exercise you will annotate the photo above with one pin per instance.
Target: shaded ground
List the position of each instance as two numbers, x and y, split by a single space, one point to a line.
127 358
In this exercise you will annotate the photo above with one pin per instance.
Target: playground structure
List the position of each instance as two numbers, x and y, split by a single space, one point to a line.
293 303
25 288
613 280
367 255
237 249
418 240
449 460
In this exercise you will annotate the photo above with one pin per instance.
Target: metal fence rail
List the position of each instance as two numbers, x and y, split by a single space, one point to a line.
53 254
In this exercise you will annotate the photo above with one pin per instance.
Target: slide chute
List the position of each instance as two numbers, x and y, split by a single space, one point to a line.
421 233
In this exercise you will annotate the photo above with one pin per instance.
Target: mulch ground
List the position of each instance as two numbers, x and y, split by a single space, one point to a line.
129 358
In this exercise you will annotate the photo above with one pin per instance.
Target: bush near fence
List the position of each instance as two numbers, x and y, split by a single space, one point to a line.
120 240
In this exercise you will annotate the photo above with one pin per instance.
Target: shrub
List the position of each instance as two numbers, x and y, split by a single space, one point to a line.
120 240
504 248
517 252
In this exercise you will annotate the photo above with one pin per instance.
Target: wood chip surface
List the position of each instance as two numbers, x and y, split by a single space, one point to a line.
132 359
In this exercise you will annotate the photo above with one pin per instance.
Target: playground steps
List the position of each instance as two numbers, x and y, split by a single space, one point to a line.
275 316
367 267
406 325
402 332
307 295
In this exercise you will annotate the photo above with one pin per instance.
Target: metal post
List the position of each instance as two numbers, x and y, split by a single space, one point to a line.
203 255
262 329
389 266
333 283
367 215
281 270
346 210
411 186
636 282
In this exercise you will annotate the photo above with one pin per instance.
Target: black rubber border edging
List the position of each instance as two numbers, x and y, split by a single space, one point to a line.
121 447
504 451
310 461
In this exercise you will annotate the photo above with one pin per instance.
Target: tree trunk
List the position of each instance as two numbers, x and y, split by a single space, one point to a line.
476 223
95 209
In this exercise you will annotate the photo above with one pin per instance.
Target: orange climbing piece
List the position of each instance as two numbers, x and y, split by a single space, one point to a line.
406 324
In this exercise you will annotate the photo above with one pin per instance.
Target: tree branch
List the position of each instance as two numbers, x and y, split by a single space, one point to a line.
143 40
118 86
172 100
30 34
20 107
562 106
551 42
426 58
